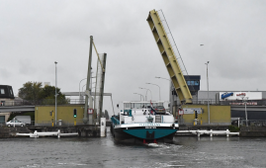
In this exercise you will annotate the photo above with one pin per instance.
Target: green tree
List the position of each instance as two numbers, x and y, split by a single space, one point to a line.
48 93
33 92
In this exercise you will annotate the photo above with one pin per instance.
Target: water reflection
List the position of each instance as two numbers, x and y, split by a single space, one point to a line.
104 152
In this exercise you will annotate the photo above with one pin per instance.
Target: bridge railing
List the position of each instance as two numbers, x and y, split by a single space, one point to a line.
41 102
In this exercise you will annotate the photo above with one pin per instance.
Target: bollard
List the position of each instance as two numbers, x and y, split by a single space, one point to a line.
198 133
58 134
227 133
211 133
103 127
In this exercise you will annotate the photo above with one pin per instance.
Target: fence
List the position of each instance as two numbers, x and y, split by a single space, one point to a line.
253 123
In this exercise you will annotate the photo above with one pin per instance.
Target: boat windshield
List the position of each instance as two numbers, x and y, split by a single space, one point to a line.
127 105
139 105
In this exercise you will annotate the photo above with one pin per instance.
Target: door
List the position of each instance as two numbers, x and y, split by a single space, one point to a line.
2 120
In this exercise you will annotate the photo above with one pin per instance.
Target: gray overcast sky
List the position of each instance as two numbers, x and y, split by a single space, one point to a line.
34 34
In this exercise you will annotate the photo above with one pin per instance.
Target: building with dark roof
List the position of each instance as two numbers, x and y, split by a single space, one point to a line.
6 98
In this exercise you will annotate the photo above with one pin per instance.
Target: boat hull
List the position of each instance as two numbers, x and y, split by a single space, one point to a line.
143 134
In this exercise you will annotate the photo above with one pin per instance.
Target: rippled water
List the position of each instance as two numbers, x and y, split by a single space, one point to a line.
103 152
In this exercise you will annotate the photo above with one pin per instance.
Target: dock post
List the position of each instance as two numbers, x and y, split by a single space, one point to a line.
198 133
58 134
227 133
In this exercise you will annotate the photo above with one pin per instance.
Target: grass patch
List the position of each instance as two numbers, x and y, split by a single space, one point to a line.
233 128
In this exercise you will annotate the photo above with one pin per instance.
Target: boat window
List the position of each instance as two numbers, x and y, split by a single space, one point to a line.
157 104
138 105
127 105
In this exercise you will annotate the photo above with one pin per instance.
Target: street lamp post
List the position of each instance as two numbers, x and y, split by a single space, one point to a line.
245 99
83 87
171 99
246 112
162 78
146 92
207 77
159 89
140 95
79 88
55 106
169 85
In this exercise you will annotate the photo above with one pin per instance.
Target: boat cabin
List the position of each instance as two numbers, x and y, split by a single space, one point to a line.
142 112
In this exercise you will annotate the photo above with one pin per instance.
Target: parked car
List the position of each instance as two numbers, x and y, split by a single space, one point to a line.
15 122
160 109
24 118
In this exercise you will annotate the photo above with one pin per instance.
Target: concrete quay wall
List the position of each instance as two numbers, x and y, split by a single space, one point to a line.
9 132
83 131
253 131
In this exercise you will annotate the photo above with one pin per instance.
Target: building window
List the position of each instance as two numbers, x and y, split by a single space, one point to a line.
2 91
193 83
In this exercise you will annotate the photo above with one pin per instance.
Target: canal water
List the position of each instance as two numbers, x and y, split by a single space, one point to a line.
189 152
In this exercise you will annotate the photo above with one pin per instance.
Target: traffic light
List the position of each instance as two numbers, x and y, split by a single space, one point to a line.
75 113
196 114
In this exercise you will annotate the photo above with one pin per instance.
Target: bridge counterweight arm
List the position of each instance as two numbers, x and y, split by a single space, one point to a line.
169 57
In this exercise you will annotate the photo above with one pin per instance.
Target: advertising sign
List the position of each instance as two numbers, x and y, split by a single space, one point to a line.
192 110
223 96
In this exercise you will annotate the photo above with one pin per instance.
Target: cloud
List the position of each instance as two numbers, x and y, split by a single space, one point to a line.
5 74
34 34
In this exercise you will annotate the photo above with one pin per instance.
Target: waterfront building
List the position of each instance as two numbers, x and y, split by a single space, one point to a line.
6 98
254 101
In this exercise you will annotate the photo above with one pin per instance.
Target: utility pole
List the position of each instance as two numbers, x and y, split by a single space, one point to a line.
55 104
207 76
